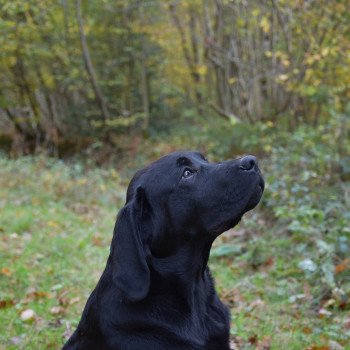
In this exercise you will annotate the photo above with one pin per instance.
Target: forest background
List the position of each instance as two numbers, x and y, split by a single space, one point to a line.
92 90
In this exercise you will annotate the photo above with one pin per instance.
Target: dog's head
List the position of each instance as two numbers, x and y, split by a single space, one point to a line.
179 198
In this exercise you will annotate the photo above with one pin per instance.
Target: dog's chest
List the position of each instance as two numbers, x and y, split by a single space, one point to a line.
205 327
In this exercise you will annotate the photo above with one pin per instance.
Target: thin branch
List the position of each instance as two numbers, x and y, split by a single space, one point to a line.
89 66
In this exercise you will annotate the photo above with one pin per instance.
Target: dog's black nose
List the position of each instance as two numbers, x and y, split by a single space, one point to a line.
248 163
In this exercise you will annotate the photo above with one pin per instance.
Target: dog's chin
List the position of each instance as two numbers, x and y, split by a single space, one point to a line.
227 225
255 195
255 198
251 204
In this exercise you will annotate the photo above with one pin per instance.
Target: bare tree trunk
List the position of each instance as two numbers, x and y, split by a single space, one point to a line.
144 85
208 36
66 21
144 82
191 63
89 66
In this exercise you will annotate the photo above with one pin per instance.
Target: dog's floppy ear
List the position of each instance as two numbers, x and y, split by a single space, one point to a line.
130 248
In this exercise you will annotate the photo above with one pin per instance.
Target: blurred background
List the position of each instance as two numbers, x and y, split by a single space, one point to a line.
92 90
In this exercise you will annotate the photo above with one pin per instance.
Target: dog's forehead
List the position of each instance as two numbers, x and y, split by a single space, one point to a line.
163 167
172 162
173 158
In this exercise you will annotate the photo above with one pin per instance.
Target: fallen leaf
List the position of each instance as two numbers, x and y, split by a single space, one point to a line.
56 310
27 315
97 241
257 303
6 303
57 322
6 271
236 343
233 296
62 298
253 339
324 313
41 294
74 300
329 303
307 330
344 265
269 262
264 344
35 295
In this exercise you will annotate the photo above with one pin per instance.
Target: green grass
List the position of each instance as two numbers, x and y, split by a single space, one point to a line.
56 222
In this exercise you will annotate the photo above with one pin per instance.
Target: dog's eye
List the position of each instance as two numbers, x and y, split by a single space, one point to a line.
187 173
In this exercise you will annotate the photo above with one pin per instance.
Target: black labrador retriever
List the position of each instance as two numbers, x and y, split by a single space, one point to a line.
156 292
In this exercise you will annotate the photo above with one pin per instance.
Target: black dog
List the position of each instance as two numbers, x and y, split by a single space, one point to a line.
156 292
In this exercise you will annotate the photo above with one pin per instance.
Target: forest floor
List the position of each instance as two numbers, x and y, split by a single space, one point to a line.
56 224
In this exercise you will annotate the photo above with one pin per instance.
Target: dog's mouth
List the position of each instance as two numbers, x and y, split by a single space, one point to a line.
261 184
251 204
256 195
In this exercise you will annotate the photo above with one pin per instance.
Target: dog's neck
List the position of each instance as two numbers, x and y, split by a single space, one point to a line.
185 269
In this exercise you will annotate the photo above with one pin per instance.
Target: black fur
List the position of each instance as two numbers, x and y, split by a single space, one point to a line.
156 292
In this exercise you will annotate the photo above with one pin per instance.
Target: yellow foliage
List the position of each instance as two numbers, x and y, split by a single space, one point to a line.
267 148
265 24
325 51
202 69
232 80
286 62
256 12
282 77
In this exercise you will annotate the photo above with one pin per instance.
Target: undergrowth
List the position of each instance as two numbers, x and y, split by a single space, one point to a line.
284 270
